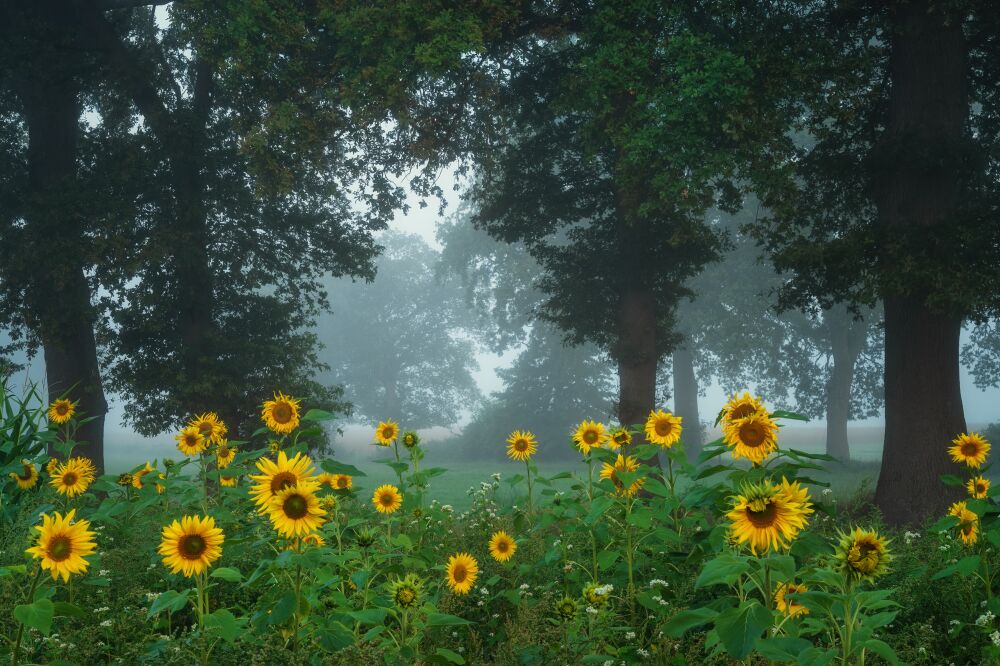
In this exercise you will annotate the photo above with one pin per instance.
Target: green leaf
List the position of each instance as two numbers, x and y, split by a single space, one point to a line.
37 615
444 620
66 609
318 415
951 480
228 574
724 569
369 615
606 559
782 648
882 649
226 624
334 467
283 609
782 414
170 601
740 628
447 655
688 619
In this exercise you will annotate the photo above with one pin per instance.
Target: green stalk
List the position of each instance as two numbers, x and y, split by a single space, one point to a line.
590 497
20 626
527 468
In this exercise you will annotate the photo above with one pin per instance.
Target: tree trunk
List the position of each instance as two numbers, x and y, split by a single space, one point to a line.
59 308
919 187
686 400
636 356
838 393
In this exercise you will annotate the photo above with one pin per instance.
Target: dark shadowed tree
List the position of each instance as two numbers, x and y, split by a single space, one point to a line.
399 344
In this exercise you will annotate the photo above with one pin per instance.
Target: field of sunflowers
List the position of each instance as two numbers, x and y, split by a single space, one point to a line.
266 550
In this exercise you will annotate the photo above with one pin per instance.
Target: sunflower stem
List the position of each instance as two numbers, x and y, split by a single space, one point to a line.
628 554
527 467
590 497
20 626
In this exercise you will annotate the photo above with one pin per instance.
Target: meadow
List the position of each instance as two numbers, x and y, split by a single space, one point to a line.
264 550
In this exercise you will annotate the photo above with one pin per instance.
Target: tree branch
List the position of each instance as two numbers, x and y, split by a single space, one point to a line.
129 4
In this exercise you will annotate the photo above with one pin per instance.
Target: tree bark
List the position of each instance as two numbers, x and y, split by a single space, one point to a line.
847 338
59 308
686 400
919 187
637 356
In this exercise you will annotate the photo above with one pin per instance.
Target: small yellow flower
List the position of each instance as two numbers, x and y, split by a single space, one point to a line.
62 544
191 545
281 415
61 411
589 435
191 442
978 487
663 428
386 433
295 510
619 437
387 499
74 476
521 445
786 605
225 454
140 473
210 426
461 572
27 477
502 546
622 464
971 449
968 525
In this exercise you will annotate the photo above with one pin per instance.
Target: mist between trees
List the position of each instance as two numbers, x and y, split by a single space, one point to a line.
652 200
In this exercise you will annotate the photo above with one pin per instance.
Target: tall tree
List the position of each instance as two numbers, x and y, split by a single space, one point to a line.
399 344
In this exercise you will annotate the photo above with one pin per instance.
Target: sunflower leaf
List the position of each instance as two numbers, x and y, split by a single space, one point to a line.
444 620
37 615
227 574
740 628
318 415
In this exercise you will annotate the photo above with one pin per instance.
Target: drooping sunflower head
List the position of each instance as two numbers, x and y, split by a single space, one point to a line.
279 474
597 595
227 481
863 555
73 476
741 407
125 480
787 605
191 545
386 432
461 572
281 415
754 437
138 475
626 464
406 592
191 442
663 428
27 476
62 544
968 522
619 437
295 510
768 517
502 546
225 454
210 426
566 609
61 411
410 439
589 435
387 499
978 487
971 449
521 445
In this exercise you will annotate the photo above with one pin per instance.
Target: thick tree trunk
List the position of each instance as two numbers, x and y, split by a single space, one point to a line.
838 388
59 308
637 356
919 188
686 400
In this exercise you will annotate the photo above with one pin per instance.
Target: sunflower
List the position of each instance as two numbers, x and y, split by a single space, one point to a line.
788 606
972 449
328 502
277 475
365 537
863 554
589 435
406 592
663 428
325 479
273 447
191 442
968 523
978 487
313 540
27 477
342 481
502 547
622 464
619 437
210 426
281 415
295 510
227 481
596 594
410 439
741 407
461 572
566 609
769 516
387 499
160 488
72 477
521 445
62 545
61 411
386 432
224 454
125 480
139 473
50 466
754 437
191 545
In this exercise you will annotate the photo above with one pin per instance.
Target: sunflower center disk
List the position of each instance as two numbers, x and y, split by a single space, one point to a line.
60 548
296 507
459 573
282 412
969 449
191 546
282 480
752 435
521 445
764 516
663 428
590 437
69 479
387 499
742 412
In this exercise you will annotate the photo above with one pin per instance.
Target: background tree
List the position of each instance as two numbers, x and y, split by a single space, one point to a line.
399 343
